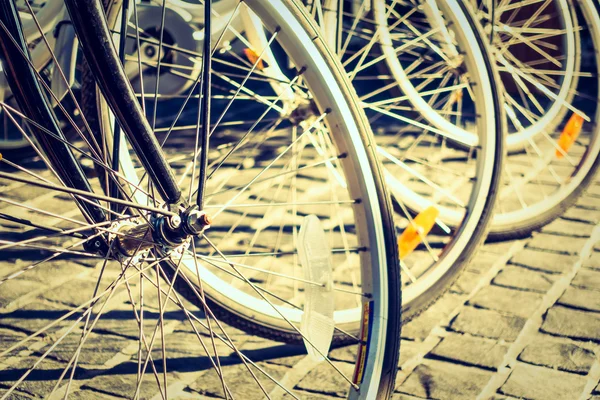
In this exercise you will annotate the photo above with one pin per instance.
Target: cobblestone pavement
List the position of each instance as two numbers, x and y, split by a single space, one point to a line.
523 321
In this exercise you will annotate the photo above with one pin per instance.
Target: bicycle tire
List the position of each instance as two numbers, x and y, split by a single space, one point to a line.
252 324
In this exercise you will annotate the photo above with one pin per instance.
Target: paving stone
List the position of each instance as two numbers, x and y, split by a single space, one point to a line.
588 202
441 380
580 298
514 276
186 345
557 244
593 190
563 356
90 395
254 343
587 279
466 282
419 328
34 316
347 353
497 248
593 262
16 395
121 321
474 271
483 261
122 381
543 261
325 380
512 301
288 361
43 247
24 193
470 350
307 396
12 290
73 293
488 323
40 381
96 350
91 262
237 335
8 338
408 350
151 298
403 396
532 382
564 227
577 324
56 271
239 381
582 214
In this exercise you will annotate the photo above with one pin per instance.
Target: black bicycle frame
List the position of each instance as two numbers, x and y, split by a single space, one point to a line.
34 104
95 37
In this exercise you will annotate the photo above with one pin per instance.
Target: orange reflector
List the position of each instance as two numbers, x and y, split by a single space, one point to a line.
253 58
419 228
570 134
456 96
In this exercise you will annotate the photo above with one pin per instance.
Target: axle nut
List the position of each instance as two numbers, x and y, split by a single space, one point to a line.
198 221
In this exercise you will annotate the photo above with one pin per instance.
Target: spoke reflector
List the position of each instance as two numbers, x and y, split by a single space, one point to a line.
317 323
570 134
253 58
456 96
420 227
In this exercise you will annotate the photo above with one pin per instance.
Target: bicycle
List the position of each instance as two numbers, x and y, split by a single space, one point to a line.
145 222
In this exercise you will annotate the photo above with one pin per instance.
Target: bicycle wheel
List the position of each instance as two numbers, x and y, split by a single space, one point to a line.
423 73
310 175
551 87
48 14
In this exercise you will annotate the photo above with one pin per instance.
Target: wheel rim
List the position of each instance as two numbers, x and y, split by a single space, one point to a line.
398 27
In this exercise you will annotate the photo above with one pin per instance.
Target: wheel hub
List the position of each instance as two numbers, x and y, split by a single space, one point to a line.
169 232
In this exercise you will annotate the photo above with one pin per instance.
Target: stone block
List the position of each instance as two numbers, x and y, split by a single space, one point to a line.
470 350
532 382
514 276
442 380
488 323
562 356
517 302
543 261
562 321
